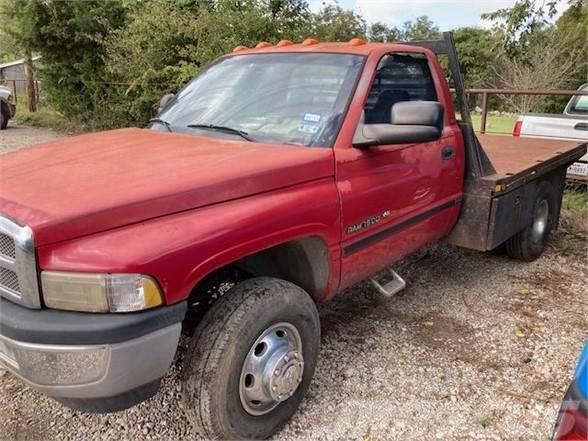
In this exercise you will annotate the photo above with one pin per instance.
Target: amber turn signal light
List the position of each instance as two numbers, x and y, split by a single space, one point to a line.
357 42
309 42
263 44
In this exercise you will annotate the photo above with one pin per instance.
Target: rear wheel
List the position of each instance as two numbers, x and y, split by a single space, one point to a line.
251 360
528 244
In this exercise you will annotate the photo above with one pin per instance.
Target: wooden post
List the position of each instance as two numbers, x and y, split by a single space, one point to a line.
484 112
14 95
37 94
29 82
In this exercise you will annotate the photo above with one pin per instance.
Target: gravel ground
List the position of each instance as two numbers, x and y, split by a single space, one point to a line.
476 347
17 135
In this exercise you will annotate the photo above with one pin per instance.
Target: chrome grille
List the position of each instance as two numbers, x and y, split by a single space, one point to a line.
9 280
18 264
7 247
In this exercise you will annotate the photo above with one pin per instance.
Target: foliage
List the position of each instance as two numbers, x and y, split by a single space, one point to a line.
15 29
71 37
334 23
107 62
476 50
420 29
538 56
520 23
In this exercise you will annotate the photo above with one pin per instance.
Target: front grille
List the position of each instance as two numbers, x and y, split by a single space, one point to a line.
9 280
7 247
18 264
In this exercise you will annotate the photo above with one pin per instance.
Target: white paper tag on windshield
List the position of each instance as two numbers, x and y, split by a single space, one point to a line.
312 117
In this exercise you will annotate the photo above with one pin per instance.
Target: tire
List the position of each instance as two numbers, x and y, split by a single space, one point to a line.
3 117
214 387
528 244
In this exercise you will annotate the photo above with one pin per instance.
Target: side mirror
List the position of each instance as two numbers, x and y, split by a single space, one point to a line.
164 101
410 122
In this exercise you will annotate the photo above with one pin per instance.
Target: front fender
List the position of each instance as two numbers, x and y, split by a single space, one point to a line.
180 249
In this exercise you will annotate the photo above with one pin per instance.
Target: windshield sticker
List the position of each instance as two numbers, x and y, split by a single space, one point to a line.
312 117
311 128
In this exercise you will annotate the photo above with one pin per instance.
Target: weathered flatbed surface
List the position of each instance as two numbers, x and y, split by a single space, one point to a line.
497 206
515 158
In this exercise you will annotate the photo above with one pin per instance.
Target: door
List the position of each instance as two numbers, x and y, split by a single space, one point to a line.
396 198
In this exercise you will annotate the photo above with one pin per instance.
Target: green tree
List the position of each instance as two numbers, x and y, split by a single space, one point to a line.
189 36
18 30
420 29
381 32
476 50
333 23
71 37
521 23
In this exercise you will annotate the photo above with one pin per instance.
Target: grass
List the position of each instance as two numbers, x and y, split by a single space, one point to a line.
572 236
43 117
496 124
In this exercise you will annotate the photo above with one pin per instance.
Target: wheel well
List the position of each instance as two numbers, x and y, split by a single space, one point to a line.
304 262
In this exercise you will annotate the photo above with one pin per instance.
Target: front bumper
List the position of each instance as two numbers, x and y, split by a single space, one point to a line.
91 362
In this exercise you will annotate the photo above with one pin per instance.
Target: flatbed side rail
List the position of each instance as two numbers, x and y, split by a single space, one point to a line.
478 163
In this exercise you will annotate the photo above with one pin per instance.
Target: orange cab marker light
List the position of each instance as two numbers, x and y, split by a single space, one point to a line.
309 42
263 44
284 43
240 48
357 42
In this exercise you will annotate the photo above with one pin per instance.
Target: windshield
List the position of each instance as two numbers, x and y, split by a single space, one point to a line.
278 98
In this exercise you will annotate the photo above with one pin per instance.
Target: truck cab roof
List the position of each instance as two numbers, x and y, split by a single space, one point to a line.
354 47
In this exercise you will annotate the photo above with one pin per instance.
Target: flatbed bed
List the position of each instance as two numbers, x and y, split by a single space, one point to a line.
503 173
517 159
499 204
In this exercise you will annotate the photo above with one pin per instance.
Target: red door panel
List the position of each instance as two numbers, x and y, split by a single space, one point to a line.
396 199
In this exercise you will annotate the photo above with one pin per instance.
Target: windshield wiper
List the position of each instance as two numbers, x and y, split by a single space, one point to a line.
226 129
163 122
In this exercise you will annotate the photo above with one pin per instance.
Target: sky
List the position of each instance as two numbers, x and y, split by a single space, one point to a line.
447 14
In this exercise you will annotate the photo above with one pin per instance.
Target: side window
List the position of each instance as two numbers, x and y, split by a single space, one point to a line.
579 104
400 77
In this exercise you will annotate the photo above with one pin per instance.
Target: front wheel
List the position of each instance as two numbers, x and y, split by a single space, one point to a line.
251 360
528 244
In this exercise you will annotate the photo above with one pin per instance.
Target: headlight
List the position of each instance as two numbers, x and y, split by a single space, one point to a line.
99 292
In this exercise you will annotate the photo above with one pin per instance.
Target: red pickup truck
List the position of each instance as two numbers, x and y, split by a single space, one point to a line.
278 177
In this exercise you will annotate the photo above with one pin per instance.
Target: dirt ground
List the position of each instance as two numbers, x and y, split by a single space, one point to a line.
476 347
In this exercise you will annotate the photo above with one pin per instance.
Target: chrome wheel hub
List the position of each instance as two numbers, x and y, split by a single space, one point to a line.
540 220
272 370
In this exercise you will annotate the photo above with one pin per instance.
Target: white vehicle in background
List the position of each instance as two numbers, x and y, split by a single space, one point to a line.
7 106
571 125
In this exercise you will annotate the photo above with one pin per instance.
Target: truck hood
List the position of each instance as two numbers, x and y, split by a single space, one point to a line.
86 184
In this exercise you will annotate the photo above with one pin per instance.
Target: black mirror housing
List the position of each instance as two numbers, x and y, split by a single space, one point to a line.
164 101
410 122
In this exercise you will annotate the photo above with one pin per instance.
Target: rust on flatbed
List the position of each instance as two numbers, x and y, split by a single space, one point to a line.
510 155
519 160
496 206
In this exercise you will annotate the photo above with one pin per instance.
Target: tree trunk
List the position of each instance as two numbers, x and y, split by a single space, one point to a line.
29 82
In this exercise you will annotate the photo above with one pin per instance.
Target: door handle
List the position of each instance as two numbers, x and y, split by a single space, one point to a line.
448 153
581 126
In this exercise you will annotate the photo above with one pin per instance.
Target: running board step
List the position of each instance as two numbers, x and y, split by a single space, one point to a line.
391 288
